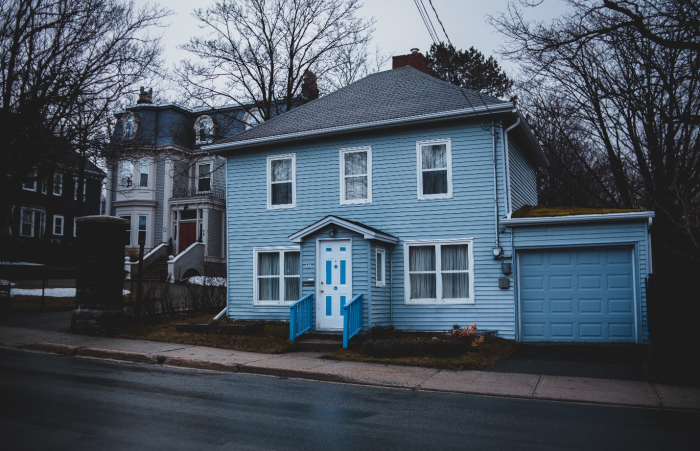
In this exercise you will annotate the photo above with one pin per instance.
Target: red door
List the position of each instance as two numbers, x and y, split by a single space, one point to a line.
188 235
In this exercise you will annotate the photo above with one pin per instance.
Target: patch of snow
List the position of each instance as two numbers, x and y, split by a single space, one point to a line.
20 264
49 292
208 281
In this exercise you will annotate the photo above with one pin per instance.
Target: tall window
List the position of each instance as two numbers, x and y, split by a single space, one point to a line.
143 221
42 224
127 234
26 226
434 169
129 126
127 173
143 170
30 183
77 188
281 181
204 177
381 267
58 225
356 175
439 272
57 189
277 275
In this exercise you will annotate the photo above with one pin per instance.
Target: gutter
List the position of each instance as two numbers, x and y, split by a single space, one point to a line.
571 219
506 153
423 118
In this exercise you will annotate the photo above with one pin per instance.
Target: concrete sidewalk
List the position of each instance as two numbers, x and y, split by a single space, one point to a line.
311 366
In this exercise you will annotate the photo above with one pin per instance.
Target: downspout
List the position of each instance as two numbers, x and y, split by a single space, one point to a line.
495 180
507 157
650 265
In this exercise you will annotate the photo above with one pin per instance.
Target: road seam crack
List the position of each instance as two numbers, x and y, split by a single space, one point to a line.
658 395
537 385
417 387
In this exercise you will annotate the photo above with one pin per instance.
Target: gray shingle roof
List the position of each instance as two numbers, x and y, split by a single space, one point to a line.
393 94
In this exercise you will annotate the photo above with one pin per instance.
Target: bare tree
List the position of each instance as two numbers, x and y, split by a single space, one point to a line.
256 52
64 64
635 97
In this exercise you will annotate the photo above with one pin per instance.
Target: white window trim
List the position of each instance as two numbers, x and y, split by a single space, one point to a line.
197 124
438 271
33 188
211 167
75 227
270 159
138 229
53 185
75 191
148 173
380 283
63 225
21 217
42 224
280 250
343 151
419 167
44 182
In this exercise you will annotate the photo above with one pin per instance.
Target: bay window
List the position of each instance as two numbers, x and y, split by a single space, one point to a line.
277 275
439 272
281 181
434 169
356 175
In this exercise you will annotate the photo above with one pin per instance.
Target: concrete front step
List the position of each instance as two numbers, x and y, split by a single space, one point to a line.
319 343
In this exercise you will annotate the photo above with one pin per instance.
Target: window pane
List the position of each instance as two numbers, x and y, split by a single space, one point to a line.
204 184
434 157
454 258
291 289
127 233
380 267
127 173
423 286
268 264
455 285
356 163
421 258
57 184
281 170
282 194
269 288
435 182
143 169
356 188
291 263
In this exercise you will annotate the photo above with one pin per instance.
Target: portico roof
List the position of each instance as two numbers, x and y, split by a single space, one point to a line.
369 233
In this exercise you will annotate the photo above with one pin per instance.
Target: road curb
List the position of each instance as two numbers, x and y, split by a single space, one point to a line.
112 354
196 364
52 348
296 374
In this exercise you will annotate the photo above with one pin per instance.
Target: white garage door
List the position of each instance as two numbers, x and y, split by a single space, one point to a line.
577 295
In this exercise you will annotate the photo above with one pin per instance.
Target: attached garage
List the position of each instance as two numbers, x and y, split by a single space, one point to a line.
577 295
581 277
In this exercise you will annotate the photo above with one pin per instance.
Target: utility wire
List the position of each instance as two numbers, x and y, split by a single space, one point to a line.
432 34
430 21
440 21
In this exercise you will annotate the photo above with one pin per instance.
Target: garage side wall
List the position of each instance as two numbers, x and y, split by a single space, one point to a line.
633 233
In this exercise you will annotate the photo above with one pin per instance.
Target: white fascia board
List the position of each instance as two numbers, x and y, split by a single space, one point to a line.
224 147
571 219
366 233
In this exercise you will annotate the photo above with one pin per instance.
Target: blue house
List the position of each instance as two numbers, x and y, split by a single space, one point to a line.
404 201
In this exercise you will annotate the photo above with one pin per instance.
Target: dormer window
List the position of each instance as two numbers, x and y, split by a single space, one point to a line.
129 126
204 130
252 118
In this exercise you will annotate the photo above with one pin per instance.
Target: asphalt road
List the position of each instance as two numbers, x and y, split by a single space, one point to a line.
53 402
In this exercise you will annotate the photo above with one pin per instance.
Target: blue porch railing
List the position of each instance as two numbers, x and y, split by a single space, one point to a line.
300 316
352 319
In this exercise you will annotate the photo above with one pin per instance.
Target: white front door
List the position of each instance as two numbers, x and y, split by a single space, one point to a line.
335 283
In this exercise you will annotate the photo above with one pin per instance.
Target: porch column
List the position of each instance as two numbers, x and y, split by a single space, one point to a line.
167 194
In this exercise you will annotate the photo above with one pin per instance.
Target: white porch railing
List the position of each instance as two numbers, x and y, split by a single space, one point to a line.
190 258
132 268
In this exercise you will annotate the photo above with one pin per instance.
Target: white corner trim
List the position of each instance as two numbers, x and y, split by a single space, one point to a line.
569 219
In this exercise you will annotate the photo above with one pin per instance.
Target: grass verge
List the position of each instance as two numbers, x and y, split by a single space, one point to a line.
275 338
484 356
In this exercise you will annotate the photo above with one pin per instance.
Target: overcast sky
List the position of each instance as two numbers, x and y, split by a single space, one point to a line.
398 27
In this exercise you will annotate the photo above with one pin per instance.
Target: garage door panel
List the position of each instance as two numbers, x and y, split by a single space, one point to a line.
577 295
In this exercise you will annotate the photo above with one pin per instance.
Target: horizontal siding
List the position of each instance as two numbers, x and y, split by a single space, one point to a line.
571 235
394 209
523 179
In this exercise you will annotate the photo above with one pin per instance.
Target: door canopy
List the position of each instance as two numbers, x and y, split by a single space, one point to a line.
369 233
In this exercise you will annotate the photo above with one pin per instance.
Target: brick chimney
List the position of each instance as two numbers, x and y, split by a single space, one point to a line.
145 97
414 59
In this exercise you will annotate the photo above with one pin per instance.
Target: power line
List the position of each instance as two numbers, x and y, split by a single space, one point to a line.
440 21
426 21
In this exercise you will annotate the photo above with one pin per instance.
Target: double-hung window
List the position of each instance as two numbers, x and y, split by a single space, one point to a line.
127 234
281 181
277 275
57 189
30 183
356 175
143 222
77 188
143 172
58 225
439 272
204 177
127 173
26 226
434 169
381 267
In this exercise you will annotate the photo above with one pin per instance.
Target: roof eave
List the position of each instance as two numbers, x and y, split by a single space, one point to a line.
423 118
541 158
569 219
366 233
